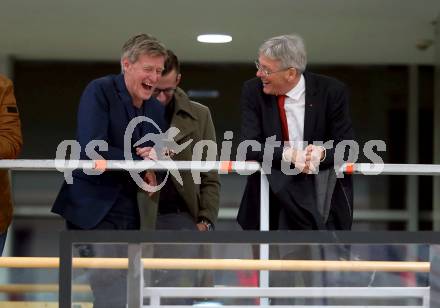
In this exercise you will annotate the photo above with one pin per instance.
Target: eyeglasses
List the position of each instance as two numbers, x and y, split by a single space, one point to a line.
266 72
167 91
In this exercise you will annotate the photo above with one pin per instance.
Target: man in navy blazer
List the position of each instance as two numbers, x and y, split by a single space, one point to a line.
299 108
109 201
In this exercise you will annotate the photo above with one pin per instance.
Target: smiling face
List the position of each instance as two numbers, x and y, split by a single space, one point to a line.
142 76
276 79
166 87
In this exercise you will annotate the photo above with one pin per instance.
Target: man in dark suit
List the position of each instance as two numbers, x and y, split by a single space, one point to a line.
299 108
109 201
295 113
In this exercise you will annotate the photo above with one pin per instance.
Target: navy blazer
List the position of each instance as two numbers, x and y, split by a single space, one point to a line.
104 112
326 118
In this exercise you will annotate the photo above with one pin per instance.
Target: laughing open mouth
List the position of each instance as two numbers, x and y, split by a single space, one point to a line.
147 86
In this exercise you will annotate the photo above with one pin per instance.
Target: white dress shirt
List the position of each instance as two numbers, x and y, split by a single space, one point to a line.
294 105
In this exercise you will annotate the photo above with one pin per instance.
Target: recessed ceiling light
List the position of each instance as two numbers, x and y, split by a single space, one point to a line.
214 38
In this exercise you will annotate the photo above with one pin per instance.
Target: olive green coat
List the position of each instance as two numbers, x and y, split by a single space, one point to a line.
194 122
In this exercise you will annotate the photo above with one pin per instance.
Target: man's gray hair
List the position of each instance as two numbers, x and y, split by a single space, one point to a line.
288 49
141 44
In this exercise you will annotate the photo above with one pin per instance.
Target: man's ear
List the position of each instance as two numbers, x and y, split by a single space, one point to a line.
293 74
125 63
178 78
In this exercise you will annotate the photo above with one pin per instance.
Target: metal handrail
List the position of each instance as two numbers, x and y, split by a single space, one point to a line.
222 264
221 166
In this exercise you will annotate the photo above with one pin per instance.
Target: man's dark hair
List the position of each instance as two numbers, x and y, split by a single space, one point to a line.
171 63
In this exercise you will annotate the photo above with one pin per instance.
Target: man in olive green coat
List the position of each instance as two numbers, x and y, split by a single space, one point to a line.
189 206
10 146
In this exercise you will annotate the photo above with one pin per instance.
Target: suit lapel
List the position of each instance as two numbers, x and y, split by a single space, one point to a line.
311 107
272 115
126 102
184 126
183 117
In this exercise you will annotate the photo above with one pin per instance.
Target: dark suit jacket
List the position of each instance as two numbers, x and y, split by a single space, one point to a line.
104 112
326 118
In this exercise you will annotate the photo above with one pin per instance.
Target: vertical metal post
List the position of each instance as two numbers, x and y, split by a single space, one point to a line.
65 271
154 300
434 276
264 226
135 280
264 203
425 301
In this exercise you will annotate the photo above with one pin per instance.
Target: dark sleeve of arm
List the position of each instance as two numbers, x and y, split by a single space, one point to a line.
210 183
339 122
252 128
93 121
251 125
10 128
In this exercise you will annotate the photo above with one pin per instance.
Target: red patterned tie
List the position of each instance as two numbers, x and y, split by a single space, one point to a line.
284 127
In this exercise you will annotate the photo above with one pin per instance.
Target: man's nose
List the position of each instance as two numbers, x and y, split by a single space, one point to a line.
155 76
161 97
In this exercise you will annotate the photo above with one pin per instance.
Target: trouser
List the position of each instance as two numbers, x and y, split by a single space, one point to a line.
109 286
304 252
177 278
2 241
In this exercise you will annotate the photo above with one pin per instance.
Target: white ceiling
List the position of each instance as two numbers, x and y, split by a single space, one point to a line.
335 31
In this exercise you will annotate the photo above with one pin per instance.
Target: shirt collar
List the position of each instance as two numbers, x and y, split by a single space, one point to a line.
297 90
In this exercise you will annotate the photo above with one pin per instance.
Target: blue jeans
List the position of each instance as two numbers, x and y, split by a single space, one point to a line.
2 241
